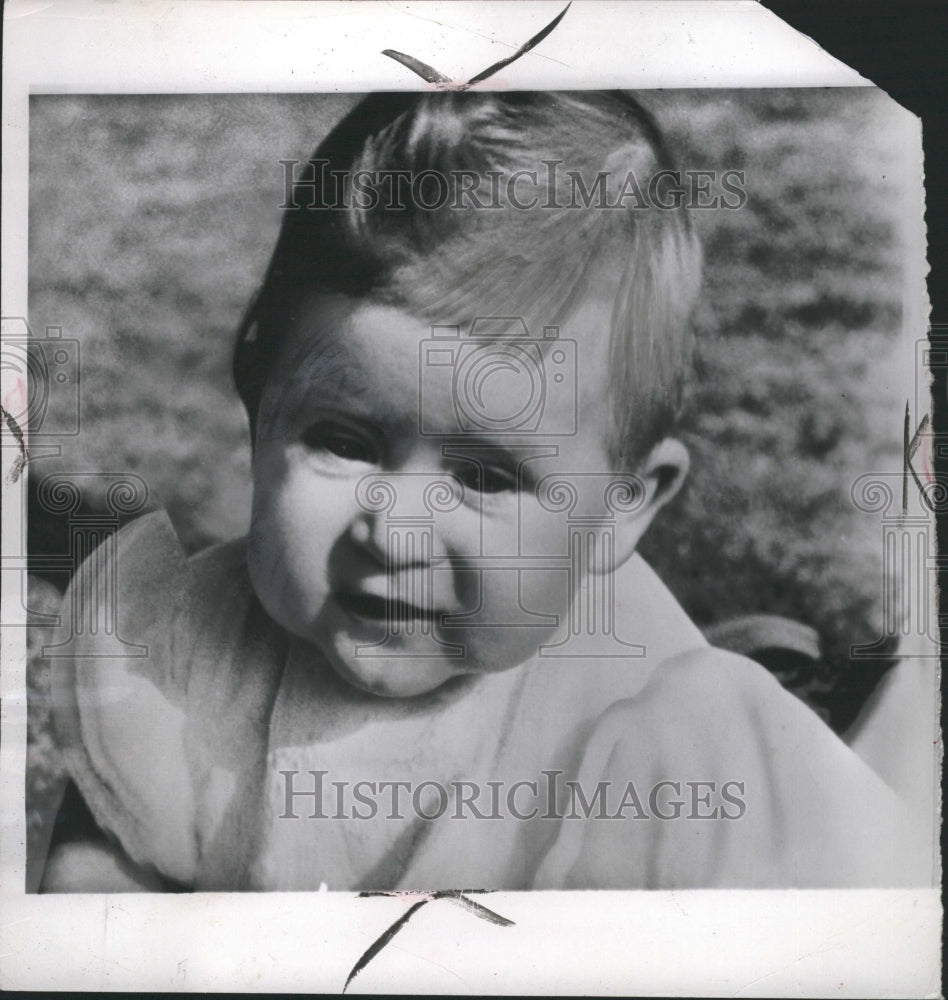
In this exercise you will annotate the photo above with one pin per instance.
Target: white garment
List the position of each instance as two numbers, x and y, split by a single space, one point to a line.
183 755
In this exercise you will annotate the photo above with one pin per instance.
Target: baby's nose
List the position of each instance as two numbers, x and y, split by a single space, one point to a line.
405 512
365 532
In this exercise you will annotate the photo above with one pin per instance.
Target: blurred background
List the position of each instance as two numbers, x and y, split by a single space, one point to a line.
152 219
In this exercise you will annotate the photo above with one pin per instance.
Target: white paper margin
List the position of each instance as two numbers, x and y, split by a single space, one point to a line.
716 943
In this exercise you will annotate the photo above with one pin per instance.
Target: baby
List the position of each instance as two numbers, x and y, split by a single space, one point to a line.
437 660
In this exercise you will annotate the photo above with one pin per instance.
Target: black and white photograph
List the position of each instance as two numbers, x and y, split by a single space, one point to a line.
472 492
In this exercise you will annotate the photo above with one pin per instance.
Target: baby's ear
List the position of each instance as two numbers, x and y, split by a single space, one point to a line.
661 474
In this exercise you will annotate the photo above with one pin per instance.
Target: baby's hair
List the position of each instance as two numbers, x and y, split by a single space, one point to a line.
476 253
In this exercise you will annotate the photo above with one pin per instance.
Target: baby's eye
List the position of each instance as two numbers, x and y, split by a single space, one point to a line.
341 441
488 478
495 479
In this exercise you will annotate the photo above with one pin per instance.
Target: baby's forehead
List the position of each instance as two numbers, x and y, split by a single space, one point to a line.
396 363
399 370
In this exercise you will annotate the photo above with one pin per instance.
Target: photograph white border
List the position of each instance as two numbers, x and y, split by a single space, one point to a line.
774 943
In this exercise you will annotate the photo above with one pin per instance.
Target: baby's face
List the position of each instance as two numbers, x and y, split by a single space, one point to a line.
403 589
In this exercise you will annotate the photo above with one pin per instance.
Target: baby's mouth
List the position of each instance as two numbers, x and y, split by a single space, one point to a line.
370 607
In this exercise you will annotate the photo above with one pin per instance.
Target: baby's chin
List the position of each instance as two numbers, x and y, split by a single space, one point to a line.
397 677
382 676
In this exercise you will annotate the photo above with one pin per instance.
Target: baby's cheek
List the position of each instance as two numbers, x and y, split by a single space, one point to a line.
275 575
267 550
466 584
264 545
264 534
285 495
260 568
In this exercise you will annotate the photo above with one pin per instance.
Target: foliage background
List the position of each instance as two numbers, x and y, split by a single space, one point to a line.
152 218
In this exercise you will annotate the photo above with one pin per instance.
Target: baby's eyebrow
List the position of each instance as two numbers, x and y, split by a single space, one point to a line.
328 366
345 377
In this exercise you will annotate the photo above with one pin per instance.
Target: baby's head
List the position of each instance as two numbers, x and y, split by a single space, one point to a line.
473 302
